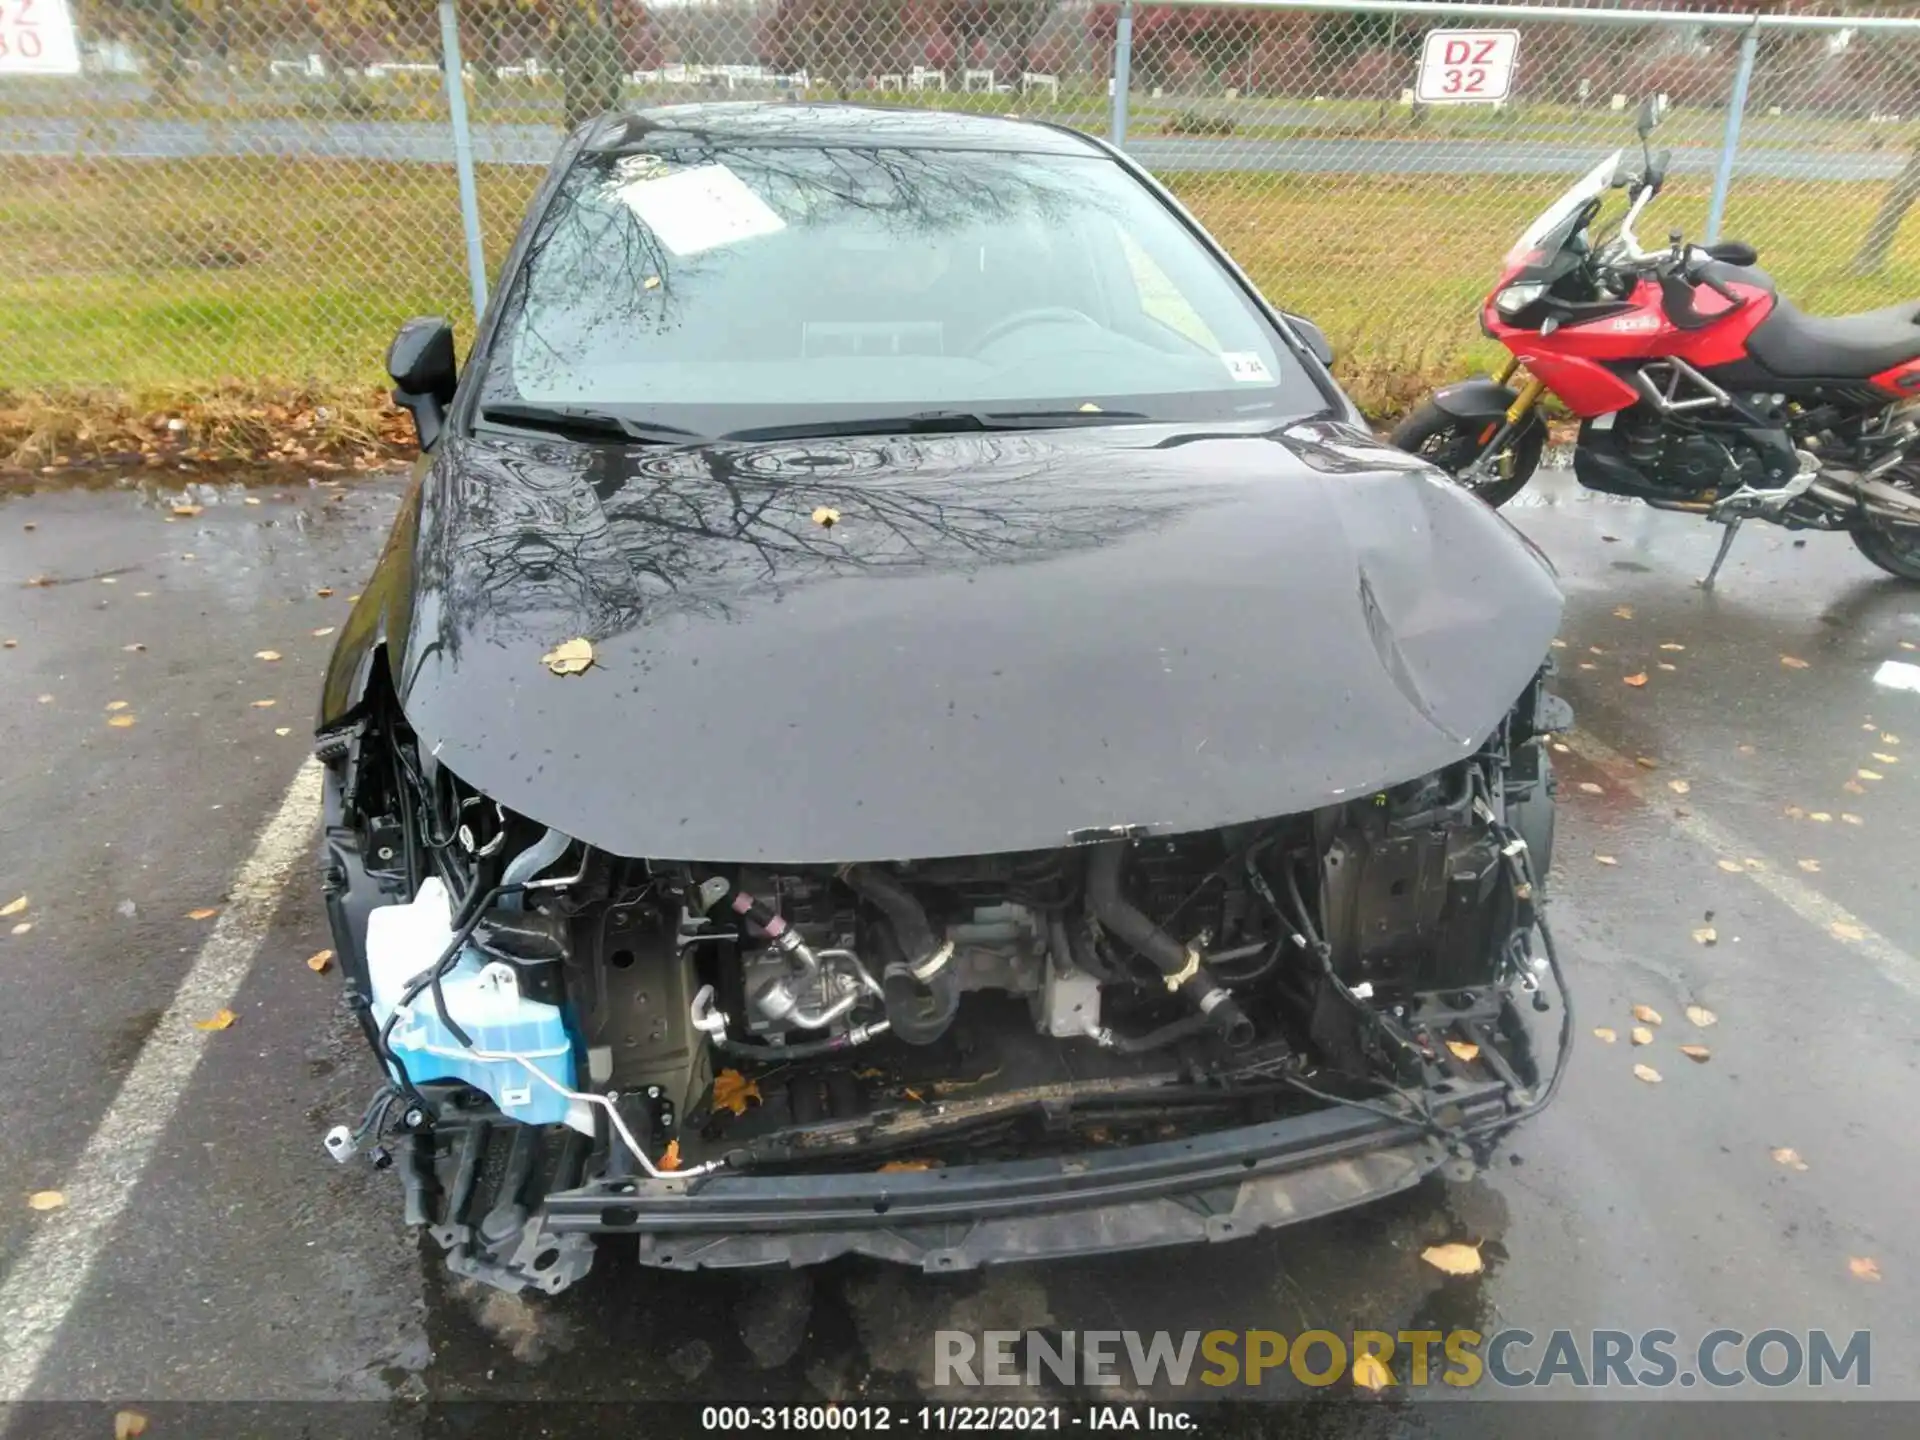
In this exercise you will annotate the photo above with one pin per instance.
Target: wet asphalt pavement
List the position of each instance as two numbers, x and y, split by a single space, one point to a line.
249 1266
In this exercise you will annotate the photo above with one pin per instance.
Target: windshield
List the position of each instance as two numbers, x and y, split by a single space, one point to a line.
1549 232
746 287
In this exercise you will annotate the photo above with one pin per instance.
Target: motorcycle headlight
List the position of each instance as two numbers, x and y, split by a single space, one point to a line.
1515 298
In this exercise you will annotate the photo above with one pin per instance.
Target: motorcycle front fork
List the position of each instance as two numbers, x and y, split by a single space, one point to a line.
1494 436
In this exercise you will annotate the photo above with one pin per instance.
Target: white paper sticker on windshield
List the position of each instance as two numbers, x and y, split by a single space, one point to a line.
700 209
1246 367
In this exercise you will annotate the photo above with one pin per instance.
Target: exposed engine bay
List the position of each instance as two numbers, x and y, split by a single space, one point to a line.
563 1028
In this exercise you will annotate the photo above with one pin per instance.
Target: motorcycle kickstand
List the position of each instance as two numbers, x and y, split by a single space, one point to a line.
1726 543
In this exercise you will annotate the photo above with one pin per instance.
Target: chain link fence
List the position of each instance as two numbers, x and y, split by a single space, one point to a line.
262 190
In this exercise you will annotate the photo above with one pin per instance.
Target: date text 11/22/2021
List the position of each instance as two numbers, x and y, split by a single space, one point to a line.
975 1419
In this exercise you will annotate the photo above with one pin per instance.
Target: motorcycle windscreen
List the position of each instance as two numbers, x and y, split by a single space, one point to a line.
1551 228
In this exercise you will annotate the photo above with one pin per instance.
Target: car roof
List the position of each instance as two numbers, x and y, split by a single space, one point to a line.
774 122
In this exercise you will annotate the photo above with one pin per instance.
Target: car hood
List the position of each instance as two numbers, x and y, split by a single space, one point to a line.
834 650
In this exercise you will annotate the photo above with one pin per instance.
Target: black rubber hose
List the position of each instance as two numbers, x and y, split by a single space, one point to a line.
1186 968
911 927
1168 1034
920 1011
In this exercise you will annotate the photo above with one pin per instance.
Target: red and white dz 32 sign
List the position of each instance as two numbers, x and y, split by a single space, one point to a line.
36 38
1462 66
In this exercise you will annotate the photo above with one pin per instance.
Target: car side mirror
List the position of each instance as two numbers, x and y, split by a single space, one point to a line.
422 365
1313 337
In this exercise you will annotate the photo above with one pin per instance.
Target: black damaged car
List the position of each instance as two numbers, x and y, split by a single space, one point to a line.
904 713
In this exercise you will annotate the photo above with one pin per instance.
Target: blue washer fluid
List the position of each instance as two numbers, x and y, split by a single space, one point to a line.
484 999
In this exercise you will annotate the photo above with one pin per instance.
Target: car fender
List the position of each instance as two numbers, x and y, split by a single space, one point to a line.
1477 399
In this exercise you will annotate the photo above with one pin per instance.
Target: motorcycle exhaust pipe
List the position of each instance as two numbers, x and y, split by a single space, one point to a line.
1883 502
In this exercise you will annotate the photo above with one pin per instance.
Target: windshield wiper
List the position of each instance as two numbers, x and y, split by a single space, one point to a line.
936 422
586 424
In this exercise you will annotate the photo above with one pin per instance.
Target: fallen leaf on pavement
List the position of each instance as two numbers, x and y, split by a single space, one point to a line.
221 1020
1636 680
1706 935
1642 1035
1812 867
895 1167
1455 1259
670 1158
1646 763
1606 860
1821 816
324 591
1624 612
1646 1073
14 907
1701 1016
1665 666
136 648
266 654
732 1091
1864 1267
1588 787
46 1200
1793 662
1732 867
1646 1014
826 517
1869 774
1887 738
571 658
121 722
264 704
1670 645
189 511
116 704
323 630
283 730
1370 1372
1886 759
1789 1157
319 961
22 928
1699 1054
206 912
1746 749
1463 1049
1853 787
1841 930
1794 812
1851 819
1604 1034
1679 787
128 1424
1588 665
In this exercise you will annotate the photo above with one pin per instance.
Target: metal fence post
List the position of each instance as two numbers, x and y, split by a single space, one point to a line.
463 154
1730 141
1122 73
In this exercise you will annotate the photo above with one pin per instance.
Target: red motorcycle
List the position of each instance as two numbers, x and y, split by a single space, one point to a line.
1697 385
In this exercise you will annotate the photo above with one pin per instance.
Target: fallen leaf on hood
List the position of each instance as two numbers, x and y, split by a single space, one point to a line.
324 592
206 912
1463 1049
14 907
128 1424
264 704
266 654
46 1200
1706 935
1699 1054
571 658
1864 1267
1642 1035
319 961
1646 1014
1869 774
1370 1371
1789 1157
1588 787
1646 1073
1671 645
826 517
1793 662
670 1157
121 722
1635 680
1732 867
1604 1034
1841 930
1701 1016
323 630
1606 860
1851 819
188 511
1679 787
732 1091
1812 867
1455 1259
220 1020
895 1167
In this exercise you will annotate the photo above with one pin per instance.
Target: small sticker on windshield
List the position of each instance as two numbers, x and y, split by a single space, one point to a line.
1246 367
699 209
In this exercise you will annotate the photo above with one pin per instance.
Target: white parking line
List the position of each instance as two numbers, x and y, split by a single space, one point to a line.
44 1284
1895 964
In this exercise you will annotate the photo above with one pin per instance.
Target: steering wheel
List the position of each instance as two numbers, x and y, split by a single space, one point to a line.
1038 315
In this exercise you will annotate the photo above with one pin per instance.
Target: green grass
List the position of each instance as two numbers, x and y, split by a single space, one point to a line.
136 274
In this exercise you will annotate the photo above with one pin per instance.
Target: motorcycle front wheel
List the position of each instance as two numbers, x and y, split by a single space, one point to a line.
1453 444
1894 548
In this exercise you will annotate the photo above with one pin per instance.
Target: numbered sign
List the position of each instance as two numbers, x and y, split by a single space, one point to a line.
36 38
1458 67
